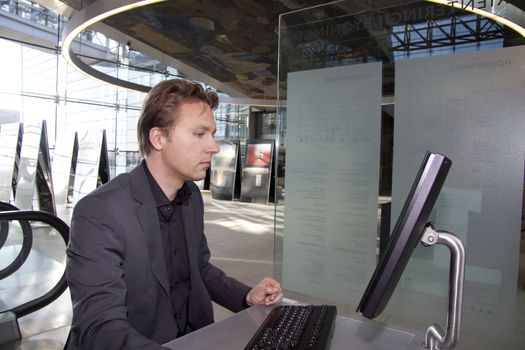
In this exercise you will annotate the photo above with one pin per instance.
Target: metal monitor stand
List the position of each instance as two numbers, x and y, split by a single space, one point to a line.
435 337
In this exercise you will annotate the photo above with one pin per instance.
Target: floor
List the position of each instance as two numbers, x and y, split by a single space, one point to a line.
240 236
249 226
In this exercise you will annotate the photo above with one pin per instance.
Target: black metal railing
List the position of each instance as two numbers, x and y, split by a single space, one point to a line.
25 217
27 243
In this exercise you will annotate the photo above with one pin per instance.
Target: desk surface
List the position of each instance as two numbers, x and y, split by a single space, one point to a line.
234 333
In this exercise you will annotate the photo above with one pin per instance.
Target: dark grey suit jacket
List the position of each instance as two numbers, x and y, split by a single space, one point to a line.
117 272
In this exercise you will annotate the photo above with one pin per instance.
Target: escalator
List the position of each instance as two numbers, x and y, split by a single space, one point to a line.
31 277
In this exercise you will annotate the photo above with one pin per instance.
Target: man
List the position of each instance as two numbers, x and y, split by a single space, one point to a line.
138 262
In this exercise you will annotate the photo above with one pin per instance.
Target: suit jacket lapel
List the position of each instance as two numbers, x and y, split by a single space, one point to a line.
148 219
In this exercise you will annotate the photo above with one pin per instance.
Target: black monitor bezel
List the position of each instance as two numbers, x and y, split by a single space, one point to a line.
406 234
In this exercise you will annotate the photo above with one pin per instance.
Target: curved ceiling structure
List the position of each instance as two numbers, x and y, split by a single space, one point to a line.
233 44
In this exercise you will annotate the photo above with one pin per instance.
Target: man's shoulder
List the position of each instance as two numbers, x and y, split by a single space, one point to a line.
118 184
118 189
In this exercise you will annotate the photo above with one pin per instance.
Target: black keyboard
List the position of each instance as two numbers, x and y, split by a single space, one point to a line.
295 327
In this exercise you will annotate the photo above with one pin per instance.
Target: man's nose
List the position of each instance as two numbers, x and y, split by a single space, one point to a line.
214 147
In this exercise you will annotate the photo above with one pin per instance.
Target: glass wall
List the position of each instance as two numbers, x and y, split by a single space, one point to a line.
368 90
37 84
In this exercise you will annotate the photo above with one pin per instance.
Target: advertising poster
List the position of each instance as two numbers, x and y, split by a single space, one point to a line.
256 174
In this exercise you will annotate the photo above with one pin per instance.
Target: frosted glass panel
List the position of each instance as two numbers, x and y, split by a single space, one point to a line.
471 108
332 175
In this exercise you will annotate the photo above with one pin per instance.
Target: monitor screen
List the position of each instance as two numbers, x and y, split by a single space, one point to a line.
406 234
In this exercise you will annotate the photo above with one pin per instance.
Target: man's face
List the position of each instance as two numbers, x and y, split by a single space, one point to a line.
190 143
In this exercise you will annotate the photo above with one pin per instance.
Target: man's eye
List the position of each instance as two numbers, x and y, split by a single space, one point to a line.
199 134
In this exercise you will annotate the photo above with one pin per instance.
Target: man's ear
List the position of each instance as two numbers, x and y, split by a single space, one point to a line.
156 138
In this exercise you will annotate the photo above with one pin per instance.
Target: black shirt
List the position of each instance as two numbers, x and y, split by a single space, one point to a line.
175 250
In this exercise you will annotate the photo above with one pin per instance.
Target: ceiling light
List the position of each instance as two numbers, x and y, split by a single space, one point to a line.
90 15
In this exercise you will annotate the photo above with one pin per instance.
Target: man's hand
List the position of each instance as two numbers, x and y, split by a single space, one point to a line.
266 292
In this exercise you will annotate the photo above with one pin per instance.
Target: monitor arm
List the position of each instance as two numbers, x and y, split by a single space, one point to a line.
436 337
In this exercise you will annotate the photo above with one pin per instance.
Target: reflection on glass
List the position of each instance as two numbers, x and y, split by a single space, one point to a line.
224 170
25 185
9 134
88 161
62 166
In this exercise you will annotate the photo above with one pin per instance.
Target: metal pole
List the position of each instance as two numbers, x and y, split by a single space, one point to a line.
436 337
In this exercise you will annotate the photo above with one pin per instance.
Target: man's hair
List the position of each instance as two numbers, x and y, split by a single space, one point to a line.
162 106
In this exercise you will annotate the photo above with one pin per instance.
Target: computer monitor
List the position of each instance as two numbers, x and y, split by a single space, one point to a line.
406 234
